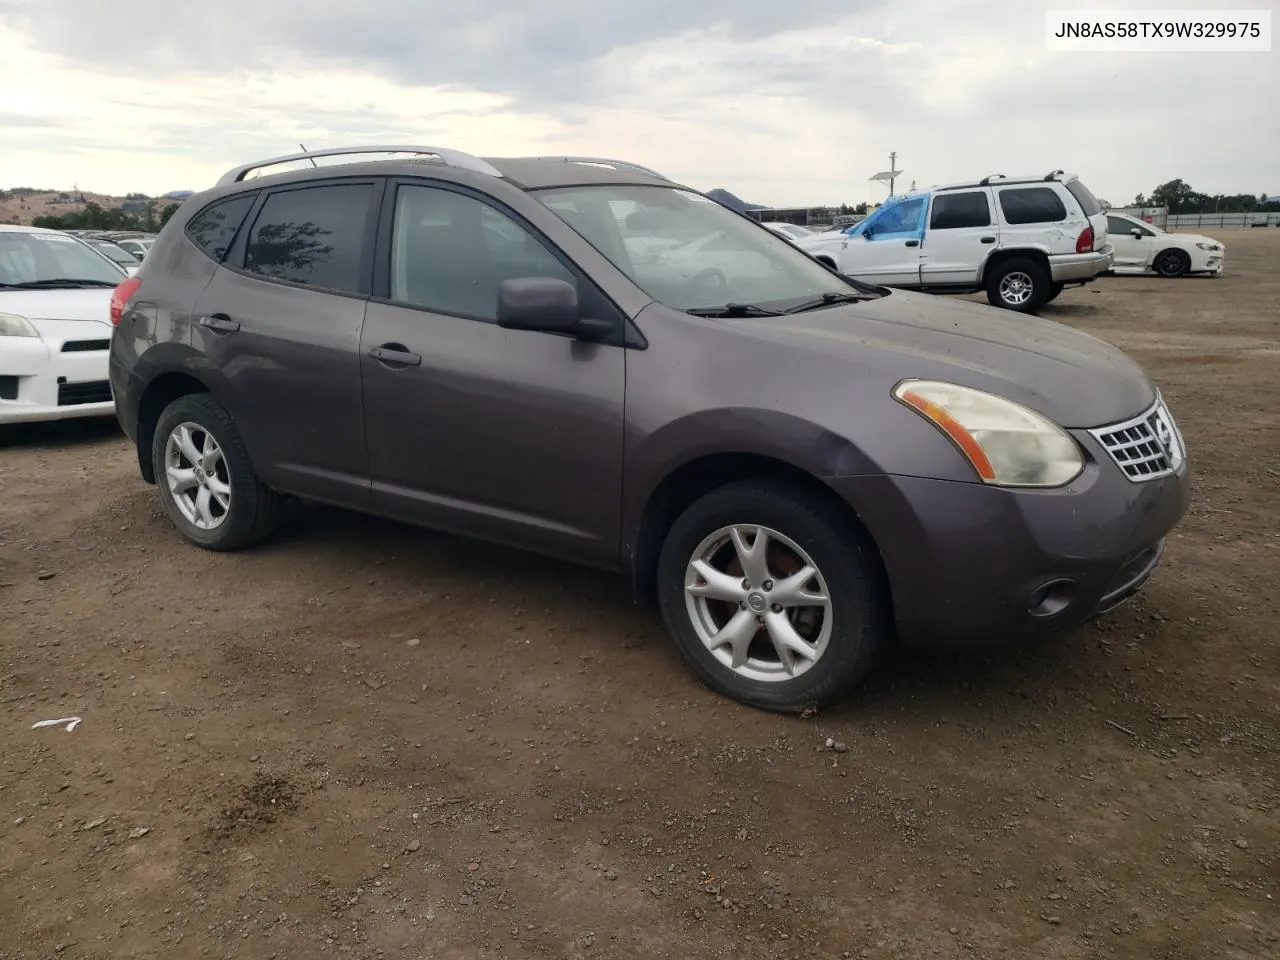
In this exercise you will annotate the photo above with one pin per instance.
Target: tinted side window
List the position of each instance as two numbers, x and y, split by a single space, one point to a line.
449 253
214 228
1084 196
313 235
1032 205
953 210
1124 227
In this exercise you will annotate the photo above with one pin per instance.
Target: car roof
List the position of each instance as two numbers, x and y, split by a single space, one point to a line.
528 173
1000 180
23 228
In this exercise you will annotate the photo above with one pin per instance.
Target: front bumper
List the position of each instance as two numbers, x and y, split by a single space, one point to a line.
1081 266
43 380
1208 261
974 564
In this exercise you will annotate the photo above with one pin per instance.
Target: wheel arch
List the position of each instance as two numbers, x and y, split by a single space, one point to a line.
694 478
160 391
1014 253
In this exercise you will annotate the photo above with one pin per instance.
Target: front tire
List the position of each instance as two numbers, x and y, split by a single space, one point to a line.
207 483
1019 284
1171 263
784 623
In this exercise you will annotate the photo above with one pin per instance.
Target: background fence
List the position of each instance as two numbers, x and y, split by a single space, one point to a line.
1162 218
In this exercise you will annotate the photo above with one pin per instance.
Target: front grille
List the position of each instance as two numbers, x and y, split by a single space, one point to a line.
84 346
91 391
1145 448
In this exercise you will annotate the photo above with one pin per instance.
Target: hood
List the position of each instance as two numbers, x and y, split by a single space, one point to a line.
38 305
1071 377
1193 238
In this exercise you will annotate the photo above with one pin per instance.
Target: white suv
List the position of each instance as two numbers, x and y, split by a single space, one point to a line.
1022 239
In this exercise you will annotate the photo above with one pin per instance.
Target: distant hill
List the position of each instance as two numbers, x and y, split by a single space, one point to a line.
721 195
24 204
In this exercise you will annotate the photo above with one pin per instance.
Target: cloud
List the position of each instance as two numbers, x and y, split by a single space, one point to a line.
795 102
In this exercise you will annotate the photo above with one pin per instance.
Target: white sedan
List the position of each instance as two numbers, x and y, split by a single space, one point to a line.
1142 247
55 326
788 231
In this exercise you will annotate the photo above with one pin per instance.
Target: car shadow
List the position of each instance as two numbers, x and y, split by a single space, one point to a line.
964 684
54 434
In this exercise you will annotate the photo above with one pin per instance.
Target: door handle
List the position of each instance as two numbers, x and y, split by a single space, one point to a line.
396 354
988 239
913 243
219 322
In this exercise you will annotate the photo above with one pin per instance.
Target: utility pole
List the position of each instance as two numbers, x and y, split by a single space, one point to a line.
890 175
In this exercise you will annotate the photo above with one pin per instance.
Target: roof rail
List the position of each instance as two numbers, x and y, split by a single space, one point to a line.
605 162
1050 176
451 158
989 177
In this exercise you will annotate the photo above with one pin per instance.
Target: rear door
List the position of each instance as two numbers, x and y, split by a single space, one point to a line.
962 233
1033 215
885 248
280 321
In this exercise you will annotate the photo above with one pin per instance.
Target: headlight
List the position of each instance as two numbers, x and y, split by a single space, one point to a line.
12 325
1208 246
1008 445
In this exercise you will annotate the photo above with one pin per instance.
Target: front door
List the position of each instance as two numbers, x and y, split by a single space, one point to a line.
885 248
508 435
961 236
280 321
1133 252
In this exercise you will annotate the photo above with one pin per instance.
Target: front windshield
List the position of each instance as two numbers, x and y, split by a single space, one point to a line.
36 257
691 253
116 252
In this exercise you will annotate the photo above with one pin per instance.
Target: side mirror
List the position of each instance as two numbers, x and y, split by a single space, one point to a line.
1136 232
539 303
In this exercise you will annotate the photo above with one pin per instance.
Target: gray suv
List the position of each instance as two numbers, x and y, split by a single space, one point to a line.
582 358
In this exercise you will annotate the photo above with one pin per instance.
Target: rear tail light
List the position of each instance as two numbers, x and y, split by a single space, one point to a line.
1084 243
120 296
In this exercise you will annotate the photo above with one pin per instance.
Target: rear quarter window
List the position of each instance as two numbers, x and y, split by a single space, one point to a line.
1032 205
1084 196
214 228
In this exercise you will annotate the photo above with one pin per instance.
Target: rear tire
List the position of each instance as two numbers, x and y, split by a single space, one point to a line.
794 651
207 483
1019 283
1171 263
1054 290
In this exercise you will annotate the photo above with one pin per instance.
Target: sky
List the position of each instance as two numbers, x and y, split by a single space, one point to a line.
783 102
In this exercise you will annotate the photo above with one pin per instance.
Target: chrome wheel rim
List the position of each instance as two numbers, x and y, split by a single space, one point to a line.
758 603
1016 288
197 476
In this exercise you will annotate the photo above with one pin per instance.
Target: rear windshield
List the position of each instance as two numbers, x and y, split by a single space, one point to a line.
1088 202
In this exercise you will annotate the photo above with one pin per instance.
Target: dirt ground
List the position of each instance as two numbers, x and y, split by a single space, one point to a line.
365 741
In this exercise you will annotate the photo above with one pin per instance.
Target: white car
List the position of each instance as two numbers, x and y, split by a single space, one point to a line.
55 326
788 231
1144 248
1021 239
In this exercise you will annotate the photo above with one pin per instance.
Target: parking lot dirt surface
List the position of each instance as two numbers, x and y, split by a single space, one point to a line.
363 740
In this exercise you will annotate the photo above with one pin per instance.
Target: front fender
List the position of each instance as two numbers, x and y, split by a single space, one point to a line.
749 431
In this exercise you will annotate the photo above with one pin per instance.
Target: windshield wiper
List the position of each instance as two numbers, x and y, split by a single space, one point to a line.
56 282
734 310
826 300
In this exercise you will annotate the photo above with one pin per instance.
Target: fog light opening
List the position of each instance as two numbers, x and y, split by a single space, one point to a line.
1051 598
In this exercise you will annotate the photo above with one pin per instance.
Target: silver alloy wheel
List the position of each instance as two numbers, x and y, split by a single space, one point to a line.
758 603
196 472
1016 287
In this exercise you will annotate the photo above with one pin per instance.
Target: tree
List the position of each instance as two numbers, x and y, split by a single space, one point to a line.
1176 195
